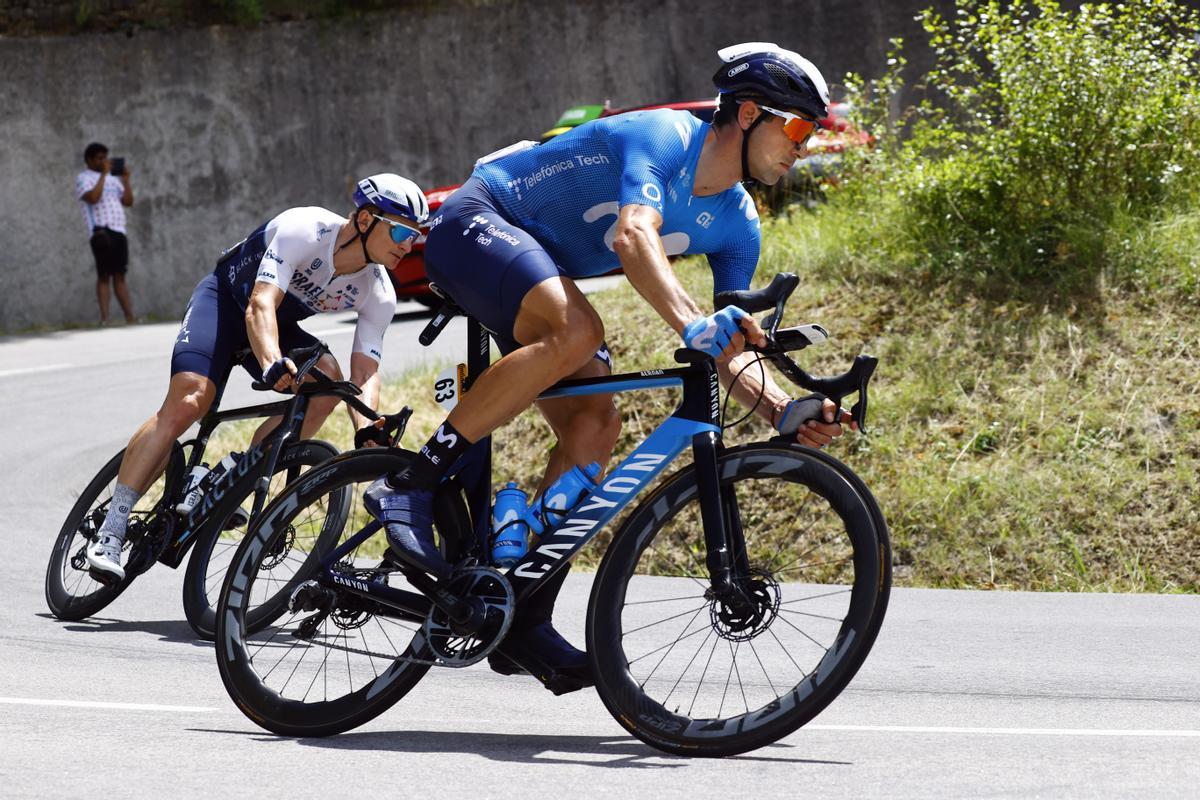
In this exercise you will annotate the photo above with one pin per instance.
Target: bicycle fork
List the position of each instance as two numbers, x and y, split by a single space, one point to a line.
727 560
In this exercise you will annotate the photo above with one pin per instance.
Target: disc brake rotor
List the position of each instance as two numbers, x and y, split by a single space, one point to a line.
742 621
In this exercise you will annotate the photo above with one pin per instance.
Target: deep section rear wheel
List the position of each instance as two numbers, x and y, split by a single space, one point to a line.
213 553
316 673
71 591
694 673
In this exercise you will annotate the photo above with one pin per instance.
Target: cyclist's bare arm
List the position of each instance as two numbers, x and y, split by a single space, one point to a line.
262 327
753 381
364 372
638 245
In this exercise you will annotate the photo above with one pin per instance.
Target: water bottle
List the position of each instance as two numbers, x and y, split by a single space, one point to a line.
224 465
192 494
509 524
562 496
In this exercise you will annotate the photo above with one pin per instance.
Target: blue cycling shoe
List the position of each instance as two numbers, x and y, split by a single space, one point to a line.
542 652
407 515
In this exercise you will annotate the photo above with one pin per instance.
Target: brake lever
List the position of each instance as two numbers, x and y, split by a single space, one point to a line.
837 388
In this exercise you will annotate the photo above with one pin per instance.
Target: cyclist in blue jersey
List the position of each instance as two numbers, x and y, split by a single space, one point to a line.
302 262
629 191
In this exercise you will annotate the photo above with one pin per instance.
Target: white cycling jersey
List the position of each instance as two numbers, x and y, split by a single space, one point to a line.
294 251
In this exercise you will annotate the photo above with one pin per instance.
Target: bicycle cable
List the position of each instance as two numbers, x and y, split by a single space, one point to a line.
762 390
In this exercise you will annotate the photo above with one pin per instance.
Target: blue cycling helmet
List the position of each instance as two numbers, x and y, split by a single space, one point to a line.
393 194
764 71
783 78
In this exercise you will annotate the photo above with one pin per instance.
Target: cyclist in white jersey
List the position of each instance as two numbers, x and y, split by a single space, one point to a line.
624 191
304 261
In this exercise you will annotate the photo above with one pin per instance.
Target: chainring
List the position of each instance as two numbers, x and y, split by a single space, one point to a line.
478 585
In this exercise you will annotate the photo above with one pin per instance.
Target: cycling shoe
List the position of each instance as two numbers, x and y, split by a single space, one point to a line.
407 515
540 651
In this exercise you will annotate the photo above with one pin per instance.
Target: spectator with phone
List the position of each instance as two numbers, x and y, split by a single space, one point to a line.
104 192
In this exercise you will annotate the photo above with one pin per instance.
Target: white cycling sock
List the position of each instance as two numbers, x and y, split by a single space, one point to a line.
118 511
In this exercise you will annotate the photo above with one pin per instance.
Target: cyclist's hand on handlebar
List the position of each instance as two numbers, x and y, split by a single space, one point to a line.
371 435
724 333
799 419
279 374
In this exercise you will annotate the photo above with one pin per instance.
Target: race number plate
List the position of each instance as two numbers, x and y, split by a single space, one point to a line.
447 386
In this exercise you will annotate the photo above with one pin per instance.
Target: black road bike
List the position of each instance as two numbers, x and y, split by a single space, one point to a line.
212 530
733 604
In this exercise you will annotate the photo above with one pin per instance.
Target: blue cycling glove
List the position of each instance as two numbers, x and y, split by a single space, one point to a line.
798 412
711 335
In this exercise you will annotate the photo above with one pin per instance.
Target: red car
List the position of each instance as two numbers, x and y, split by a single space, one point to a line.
825 148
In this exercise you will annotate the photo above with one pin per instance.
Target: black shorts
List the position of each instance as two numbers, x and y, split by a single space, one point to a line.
111 250
488 264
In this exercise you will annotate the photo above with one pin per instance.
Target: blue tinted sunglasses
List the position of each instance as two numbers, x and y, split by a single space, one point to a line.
400 232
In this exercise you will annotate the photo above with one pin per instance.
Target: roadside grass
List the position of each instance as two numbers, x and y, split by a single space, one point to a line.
1021 437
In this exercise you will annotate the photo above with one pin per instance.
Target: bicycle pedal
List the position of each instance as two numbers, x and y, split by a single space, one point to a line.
102 577
564 682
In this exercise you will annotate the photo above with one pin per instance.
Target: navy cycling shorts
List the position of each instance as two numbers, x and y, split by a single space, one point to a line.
486 263
212 337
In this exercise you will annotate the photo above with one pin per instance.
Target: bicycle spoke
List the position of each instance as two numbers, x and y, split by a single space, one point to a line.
666 619
802 633
707 664
688 666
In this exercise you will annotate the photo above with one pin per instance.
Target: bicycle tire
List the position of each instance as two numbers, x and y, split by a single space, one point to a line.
71 593
264 697
205 573
810 502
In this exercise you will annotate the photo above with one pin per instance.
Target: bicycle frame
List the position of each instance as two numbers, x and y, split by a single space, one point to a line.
248 467
694 422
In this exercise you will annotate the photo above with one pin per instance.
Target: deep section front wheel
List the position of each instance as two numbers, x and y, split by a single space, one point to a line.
693 671
227 527
344 661
71 591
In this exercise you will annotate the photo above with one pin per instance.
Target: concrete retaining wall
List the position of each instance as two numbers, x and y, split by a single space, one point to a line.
224 127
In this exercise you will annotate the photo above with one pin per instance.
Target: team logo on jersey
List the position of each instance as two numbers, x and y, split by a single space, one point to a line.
705 219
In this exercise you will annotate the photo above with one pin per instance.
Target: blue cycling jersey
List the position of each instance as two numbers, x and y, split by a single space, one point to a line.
567 194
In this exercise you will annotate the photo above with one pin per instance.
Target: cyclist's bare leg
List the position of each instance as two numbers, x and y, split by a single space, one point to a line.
189 396
319 408
586 427
558 330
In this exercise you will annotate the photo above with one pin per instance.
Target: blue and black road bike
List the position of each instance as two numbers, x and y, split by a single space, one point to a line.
734 603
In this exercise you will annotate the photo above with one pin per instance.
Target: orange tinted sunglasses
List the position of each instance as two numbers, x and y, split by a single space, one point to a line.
797 128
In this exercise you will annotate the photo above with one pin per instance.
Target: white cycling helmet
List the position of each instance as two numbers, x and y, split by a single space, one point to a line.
393 194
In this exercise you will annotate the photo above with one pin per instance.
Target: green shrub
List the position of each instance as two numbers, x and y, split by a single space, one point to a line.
1042 129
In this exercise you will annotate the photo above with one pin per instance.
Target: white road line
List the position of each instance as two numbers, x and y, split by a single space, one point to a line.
6 373
1007 731
29 701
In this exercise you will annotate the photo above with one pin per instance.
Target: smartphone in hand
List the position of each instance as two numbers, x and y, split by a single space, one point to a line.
116 167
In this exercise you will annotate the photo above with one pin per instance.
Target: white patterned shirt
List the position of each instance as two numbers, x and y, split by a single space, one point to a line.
108 211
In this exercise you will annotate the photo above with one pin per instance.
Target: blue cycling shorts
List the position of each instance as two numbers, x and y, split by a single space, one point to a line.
486 263
212 337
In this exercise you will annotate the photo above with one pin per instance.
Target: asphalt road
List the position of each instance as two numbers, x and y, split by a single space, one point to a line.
966 694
